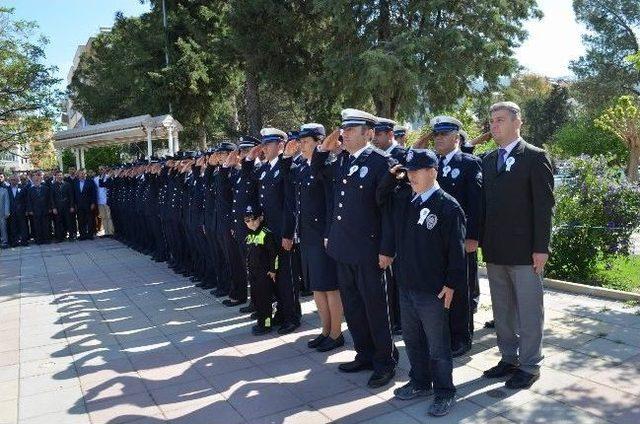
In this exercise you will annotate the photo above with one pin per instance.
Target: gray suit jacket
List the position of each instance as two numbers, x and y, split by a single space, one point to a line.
4 203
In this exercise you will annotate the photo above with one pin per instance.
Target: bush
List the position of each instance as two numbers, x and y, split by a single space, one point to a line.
597 211
582 137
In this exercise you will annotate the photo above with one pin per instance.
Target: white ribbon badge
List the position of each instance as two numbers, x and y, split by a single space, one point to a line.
423 215
446 170
353 169
510 161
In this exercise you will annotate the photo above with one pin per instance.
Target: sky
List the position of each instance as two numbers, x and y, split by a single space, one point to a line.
552 43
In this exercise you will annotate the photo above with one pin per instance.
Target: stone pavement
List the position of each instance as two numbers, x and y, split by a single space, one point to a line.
93 332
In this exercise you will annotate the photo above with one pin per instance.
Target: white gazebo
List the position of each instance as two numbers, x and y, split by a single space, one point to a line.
122 131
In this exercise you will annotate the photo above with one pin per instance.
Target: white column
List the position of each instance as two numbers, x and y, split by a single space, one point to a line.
176 143
170 140
149 143
59 159
77 153
82 149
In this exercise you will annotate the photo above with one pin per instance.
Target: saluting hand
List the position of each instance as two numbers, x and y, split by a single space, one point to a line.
287 244
483 138
254 152
447 293
291 149
331 142
272 275
423 141
470 246
539 261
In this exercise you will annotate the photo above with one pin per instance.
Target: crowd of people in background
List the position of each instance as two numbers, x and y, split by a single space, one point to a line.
382 234
52 206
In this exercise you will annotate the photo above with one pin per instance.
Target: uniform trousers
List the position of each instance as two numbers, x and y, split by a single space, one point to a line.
287 291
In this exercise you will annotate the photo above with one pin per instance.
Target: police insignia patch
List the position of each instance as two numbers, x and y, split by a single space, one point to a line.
363 171
455 172
432 220
409 155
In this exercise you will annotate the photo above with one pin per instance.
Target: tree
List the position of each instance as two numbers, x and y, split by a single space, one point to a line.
603 72
623 120
544 116
399 54
28 97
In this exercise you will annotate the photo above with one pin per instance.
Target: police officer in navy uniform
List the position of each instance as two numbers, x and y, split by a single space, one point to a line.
430 252
361 243
460 175
400 134
271 198
384 139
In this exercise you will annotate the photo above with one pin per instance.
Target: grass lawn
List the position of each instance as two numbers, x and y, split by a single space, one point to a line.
623 274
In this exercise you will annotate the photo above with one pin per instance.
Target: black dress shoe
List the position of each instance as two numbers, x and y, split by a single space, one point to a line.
490 324
306 293
501 370
521 380
396 330
314 343
461 350
258 330
330 344
288 327
254 315
232 302
219 293
379 379
354 366
247 309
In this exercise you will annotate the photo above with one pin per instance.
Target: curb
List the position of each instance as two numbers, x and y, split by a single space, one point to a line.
582 289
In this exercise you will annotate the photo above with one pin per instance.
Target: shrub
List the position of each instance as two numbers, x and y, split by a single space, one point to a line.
597 211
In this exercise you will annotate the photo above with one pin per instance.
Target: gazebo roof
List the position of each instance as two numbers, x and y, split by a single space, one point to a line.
122 131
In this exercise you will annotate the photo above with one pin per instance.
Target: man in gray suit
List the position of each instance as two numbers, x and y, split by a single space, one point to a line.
517 206
4 214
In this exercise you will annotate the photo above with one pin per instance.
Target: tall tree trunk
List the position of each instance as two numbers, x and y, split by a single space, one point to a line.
634 161
384 25
252 102
202 137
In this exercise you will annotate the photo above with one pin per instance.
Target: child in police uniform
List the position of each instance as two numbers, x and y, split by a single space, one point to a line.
262 264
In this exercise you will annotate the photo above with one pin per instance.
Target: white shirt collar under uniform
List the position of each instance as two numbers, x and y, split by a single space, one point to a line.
273 162
449 155
359 152
390 148
424 196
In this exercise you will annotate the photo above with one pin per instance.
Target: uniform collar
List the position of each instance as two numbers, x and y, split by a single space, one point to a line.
393 146
359 152
450 155
273 162
425 195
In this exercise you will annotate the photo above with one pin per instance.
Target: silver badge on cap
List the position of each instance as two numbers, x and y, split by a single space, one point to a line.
510 161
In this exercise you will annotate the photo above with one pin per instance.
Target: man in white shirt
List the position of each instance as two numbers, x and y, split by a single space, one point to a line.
103 208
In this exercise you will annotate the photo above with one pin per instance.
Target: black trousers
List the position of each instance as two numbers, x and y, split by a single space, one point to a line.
63 223
464 305
364 298
393 298
17 228
85 223
233 257
287 291
263 287
40 227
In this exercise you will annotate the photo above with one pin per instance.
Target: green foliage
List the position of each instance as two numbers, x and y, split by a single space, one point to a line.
603 72
28 99
621 273
596 213
582 137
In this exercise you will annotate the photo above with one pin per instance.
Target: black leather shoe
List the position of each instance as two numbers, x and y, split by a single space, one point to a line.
258 330
503 369
254 315
314 343
354 366
306 293
219 293
232 302
461 350
396 330
490 324
247 309
330 344
381 379
521 380
288 327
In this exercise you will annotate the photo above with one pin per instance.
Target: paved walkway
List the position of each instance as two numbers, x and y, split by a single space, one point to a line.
92 332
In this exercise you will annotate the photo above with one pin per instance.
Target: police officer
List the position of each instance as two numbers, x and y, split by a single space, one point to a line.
400 134
39 206
460 175
361 243
384 139
271 197
430 253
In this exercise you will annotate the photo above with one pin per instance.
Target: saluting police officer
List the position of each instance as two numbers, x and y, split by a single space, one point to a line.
361 242
460 175
430 252
271 197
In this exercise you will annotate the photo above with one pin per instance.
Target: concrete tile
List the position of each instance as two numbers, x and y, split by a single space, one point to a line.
123 409
597 399
10 390
354 406
221 410
9 411
545 410
45 383
65 400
